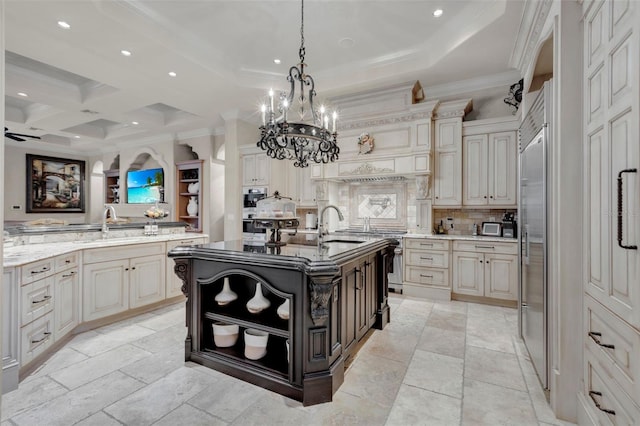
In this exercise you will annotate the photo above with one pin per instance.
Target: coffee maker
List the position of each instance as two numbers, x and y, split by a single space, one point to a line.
509 226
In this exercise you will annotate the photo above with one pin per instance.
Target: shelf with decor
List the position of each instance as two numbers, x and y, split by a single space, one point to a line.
189 194
112 186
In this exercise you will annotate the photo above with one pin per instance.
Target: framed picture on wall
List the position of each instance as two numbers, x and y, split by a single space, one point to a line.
54 185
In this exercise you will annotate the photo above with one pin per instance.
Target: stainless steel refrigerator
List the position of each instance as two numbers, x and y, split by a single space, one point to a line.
532 214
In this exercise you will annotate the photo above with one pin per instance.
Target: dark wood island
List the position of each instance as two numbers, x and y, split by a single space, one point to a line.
336 293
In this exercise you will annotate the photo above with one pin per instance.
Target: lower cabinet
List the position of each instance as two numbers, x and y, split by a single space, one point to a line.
122 278
10 327
486 269
66 298
426 268
174 284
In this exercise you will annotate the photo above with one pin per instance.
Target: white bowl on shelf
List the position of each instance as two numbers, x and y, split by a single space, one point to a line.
255 343
225 335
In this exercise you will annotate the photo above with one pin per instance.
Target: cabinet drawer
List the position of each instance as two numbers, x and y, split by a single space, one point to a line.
601 389
187 242
66 261
37 270
123 252
427 276
36 299
486 247
36 338
434 259
624 356
426 244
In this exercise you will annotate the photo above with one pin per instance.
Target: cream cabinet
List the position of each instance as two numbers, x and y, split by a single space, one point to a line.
66 301
490 169
447 180
487 269
426 268
174 284
256 169
10 327
300 187
611 393
119 278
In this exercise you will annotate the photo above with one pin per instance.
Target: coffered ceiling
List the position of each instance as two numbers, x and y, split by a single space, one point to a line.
84 95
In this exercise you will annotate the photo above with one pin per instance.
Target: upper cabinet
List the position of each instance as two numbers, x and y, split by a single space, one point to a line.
490 158
255 170
189 194
448 162
489 169
300 187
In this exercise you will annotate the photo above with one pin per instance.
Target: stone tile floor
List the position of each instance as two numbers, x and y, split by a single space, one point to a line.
436 363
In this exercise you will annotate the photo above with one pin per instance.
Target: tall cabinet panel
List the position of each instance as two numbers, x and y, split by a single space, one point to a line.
611 392
448 162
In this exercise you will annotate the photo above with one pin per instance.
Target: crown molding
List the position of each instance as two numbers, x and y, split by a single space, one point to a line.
506 78
451 109
533 19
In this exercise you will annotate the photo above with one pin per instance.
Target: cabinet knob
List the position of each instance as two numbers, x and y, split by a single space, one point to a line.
481 261
489 196
485 196
436 197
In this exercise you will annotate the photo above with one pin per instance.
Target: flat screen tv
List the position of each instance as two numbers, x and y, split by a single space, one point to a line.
145 186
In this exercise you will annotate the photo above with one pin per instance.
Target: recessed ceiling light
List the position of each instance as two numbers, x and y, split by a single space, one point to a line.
63 24
172 74
22 94
135 123
77 137
437 13
277 61
125 53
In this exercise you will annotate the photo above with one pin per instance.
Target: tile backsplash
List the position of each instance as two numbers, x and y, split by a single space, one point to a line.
463 220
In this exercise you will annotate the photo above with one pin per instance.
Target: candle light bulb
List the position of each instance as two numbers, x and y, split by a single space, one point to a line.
263 108
271 99
335 116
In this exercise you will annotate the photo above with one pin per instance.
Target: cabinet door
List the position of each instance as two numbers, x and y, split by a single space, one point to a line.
371 285
10 327
249 170
67 302
146 282
475 149
105 289
448 162
306 188
501 276
362 315
502 168
468 273
262 169
350 283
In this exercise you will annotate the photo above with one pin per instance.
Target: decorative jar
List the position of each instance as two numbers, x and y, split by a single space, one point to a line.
258 302
227 295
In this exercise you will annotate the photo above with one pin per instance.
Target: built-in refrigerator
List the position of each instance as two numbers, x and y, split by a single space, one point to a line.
532 237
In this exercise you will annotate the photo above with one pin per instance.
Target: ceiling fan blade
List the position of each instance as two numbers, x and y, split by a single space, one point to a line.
21 135
15 138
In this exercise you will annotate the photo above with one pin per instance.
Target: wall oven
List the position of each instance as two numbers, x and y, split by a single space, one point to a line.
250 197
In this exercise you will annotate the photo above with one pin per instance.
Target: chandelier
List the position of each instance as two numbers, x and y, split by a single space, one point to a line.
309 136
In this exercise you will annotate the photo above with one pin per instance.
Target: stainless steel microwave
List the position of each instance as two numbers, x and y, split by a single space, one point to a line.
250 196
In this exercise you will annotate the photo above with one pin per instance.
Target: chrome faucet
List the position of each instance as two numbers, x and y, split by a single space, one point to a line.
107 209
321 231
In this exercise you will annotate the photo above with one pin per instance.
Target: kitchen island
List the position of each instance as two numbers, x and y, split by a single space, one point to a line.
336 292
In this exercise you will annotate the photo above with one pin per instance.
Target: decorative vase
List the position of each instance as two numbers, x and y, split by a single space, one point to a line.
192 207
283 310
226 296
255 343
225 335
193 187
258 302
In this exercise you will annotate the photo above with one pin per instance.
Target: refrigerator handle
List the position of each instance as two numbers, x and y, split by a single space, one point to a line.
628 247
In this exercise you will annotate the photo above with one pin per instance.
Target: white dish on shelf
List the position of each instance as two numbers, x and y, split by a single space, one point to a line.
255 343
225 335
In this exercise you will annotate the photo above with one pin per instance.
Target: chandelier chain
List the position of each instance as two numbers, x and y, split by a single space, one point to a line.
302 50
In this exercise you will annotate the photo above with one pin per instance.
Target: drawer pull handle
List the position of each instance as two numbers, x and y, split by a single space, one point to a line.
70 274
485 247
426 276
44 269
624 246
45 336
594 336
598 406
426 258
67 261
44 299
427 244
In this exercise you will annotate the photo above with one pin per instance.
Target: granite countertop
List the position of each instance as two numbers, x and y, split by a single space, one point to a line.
464 238
27 253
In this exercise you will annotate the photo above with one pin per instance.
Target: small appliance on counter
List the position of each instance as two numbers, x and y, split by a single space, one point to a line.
509 226
492 229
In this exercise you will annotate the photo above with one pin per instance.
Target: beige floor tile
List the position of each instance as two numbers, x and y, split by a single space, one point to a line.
451 306
155 366
493 339
436 373
415 406
29 395
227 397
91 368
154 401
65 357
80 403
101 343
99 419
487 404
441 341
390 344
273 409
498 368
375 378
448 320
172 337
188 415
164 320
346 409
